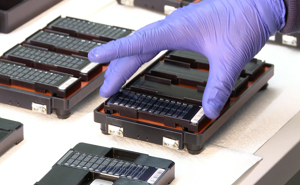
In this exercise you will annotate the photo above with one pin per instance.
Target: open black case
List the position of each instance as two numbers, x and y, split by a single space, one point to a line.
11 133
50 69
14 13
163 6
85 163
162 105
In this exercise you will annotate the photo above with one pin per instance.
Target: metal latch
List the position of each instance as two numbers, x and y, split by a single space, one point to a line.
272 38
289 40
127 2
171 143
67 83
197 116
114 130
87 68
39 108
169 9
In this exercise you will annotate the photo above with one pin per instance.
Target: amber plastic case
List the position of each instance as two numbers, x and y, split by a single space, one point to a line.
61 48
179 76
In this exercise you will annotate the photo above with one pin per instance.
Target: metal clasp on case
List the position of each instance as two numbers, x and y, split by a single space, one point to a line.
169 9
114 130
171 143
127 2
39 108
289 40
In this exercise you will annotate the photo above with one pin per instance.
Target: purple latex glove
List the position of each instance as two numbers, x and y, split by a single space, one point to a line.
228 32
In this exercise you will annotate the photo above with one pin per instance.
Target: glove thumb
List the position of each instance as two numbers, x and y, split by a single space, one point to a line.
219 87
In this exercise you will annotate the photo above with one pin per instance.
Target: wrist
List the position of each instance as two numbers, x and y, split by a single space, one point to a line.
273 13
292 16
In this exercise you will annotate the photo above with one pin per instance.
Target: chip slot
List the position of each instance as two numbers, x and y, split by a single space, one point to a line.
59 85
62 43
169 112
106 166
196 60
184 75
47 60
253 69
163 88
89 30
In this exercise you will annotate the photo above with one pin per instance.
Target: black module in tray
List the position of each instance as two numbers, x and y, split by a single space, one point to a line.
155 108
88 30
60 85
163 104
62 43
196 60
86 164
41 58
253 69
182 73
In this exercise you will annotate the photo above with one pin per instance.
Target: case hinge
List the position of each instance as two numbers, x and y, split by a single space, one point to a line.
289 40
272 38
127 2
169 9
171 143
39 108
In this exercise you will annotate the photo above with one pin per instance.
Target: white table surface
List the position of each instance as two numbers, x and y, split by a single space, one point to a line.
226 156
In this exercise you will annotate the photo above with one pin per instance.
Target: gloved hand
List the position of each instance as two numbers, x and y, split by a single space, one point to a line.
228 32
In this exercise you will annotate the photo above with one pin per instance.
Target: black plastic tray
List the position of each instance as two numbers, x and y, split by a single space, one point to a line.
14 13
158 133
11 133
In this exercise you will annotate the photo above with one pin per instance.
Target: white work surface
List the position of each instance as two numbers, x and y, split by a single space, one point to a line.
226 156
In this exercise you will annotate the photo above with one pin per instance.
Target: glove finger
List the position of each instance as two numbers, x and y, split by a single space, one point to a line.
146 41
149 26
96 54
113 63
110 67
219 87
121 70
